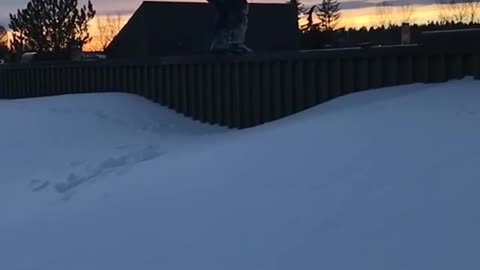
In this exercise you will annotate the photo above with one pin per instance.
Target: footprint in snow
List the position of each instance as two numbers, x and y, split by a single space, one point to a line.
37 184
118 165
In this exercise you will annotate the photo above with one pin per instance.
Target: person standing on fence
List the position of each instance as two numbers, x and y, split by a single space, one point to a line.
230 26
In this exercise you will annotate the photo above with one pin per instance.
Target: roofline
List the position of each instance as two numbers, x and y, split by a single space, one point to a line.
125 26
204 2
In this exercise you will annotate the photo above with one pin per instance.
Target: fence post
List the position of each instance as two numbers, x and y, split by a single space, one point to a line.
226 101
192 91
169 71
176 86
361 74
29 80
310 91
2 83
348 75
336 86
438 70
422 68
201 92
236 96
454 66
149 82
245 94
324 75
159 87
376 72
256 97
391 75
405 70
267 93
183 94
277 101
9 83
287 88
218 93
299 90
476 66
17 80
208 73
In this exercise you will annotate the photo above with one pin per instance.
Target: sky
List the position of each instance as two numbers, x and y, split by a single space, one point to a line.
354 13
127 7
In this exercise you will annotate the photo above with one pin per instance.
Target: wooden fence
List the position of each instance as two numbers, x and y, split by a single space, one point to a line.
241 92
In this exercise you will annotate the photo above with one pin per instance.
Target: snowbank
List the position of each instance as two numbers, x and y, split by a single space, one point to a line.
374 180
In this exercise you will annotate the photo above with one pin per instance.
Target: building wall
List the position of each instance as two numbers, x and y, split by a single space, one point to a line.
179 28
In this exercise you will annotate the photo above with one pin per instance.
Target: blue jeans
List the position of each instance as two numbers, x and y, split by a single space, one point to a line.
231 23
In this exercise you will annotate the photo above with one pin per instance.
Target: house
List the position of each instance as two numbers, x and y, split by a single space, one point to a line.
186 28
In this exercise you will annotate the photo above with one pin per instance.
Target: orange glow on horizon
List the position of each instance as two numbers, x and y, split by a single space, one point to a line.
357 18
420 14
350 18
95 32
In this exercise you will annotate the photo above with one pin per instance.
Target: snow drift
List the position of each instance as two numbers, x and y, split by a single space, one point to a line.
384 179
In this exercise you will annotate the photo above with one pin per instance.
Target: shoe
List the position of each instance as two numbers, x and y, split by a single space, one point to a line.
237 48
220 41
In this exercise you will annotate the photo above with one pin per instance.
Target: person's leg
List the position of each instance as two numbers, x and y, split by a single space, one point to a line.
221 35
238 24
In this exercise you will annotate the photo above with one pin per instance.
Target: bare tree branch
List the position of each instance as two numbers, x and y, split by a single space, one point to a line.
457 10
384 12
107 28
406 12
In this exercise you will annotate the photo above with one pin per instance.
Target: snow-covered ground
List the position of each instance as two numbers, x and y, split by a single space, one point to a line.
384 179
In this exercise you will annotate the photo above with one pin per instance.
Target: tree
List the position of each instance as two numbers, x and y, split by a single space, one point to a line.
384 13
328 14
458 11
310 25
51 26
474 9
3 42
406 13
3 36
299 6
107 29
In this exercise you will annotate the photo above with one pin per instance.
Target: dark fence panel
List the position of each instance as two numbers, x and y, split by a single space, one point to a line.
241 92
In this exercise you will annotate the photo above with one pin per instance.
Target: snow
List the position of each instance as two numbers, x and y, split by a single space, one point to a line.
61 142
384 179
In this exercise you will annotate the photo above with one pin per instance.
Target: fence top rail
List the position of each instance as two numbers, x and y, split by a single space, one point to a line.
334 53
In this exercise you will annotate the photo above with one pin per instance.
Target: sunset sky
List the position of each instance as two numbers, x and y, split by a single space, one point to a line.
353 10
355 13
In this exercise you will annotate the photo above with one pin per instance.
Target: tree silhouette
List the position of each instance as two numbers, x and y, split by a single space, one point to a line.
406 13
310 25
51 26
107 29
3 42
299 6
328 13
458 10
384 13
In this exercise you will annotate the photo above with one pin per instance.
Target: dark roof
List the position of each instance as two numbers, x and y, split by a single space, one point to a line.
183 28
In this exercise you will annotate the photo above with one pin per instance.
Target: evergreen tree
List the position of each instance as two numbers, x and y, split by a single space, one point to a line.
328 13
299 6
51 26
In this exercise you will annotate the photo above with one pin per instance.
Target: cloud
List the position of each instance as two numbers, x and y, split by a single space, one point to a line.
357 4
